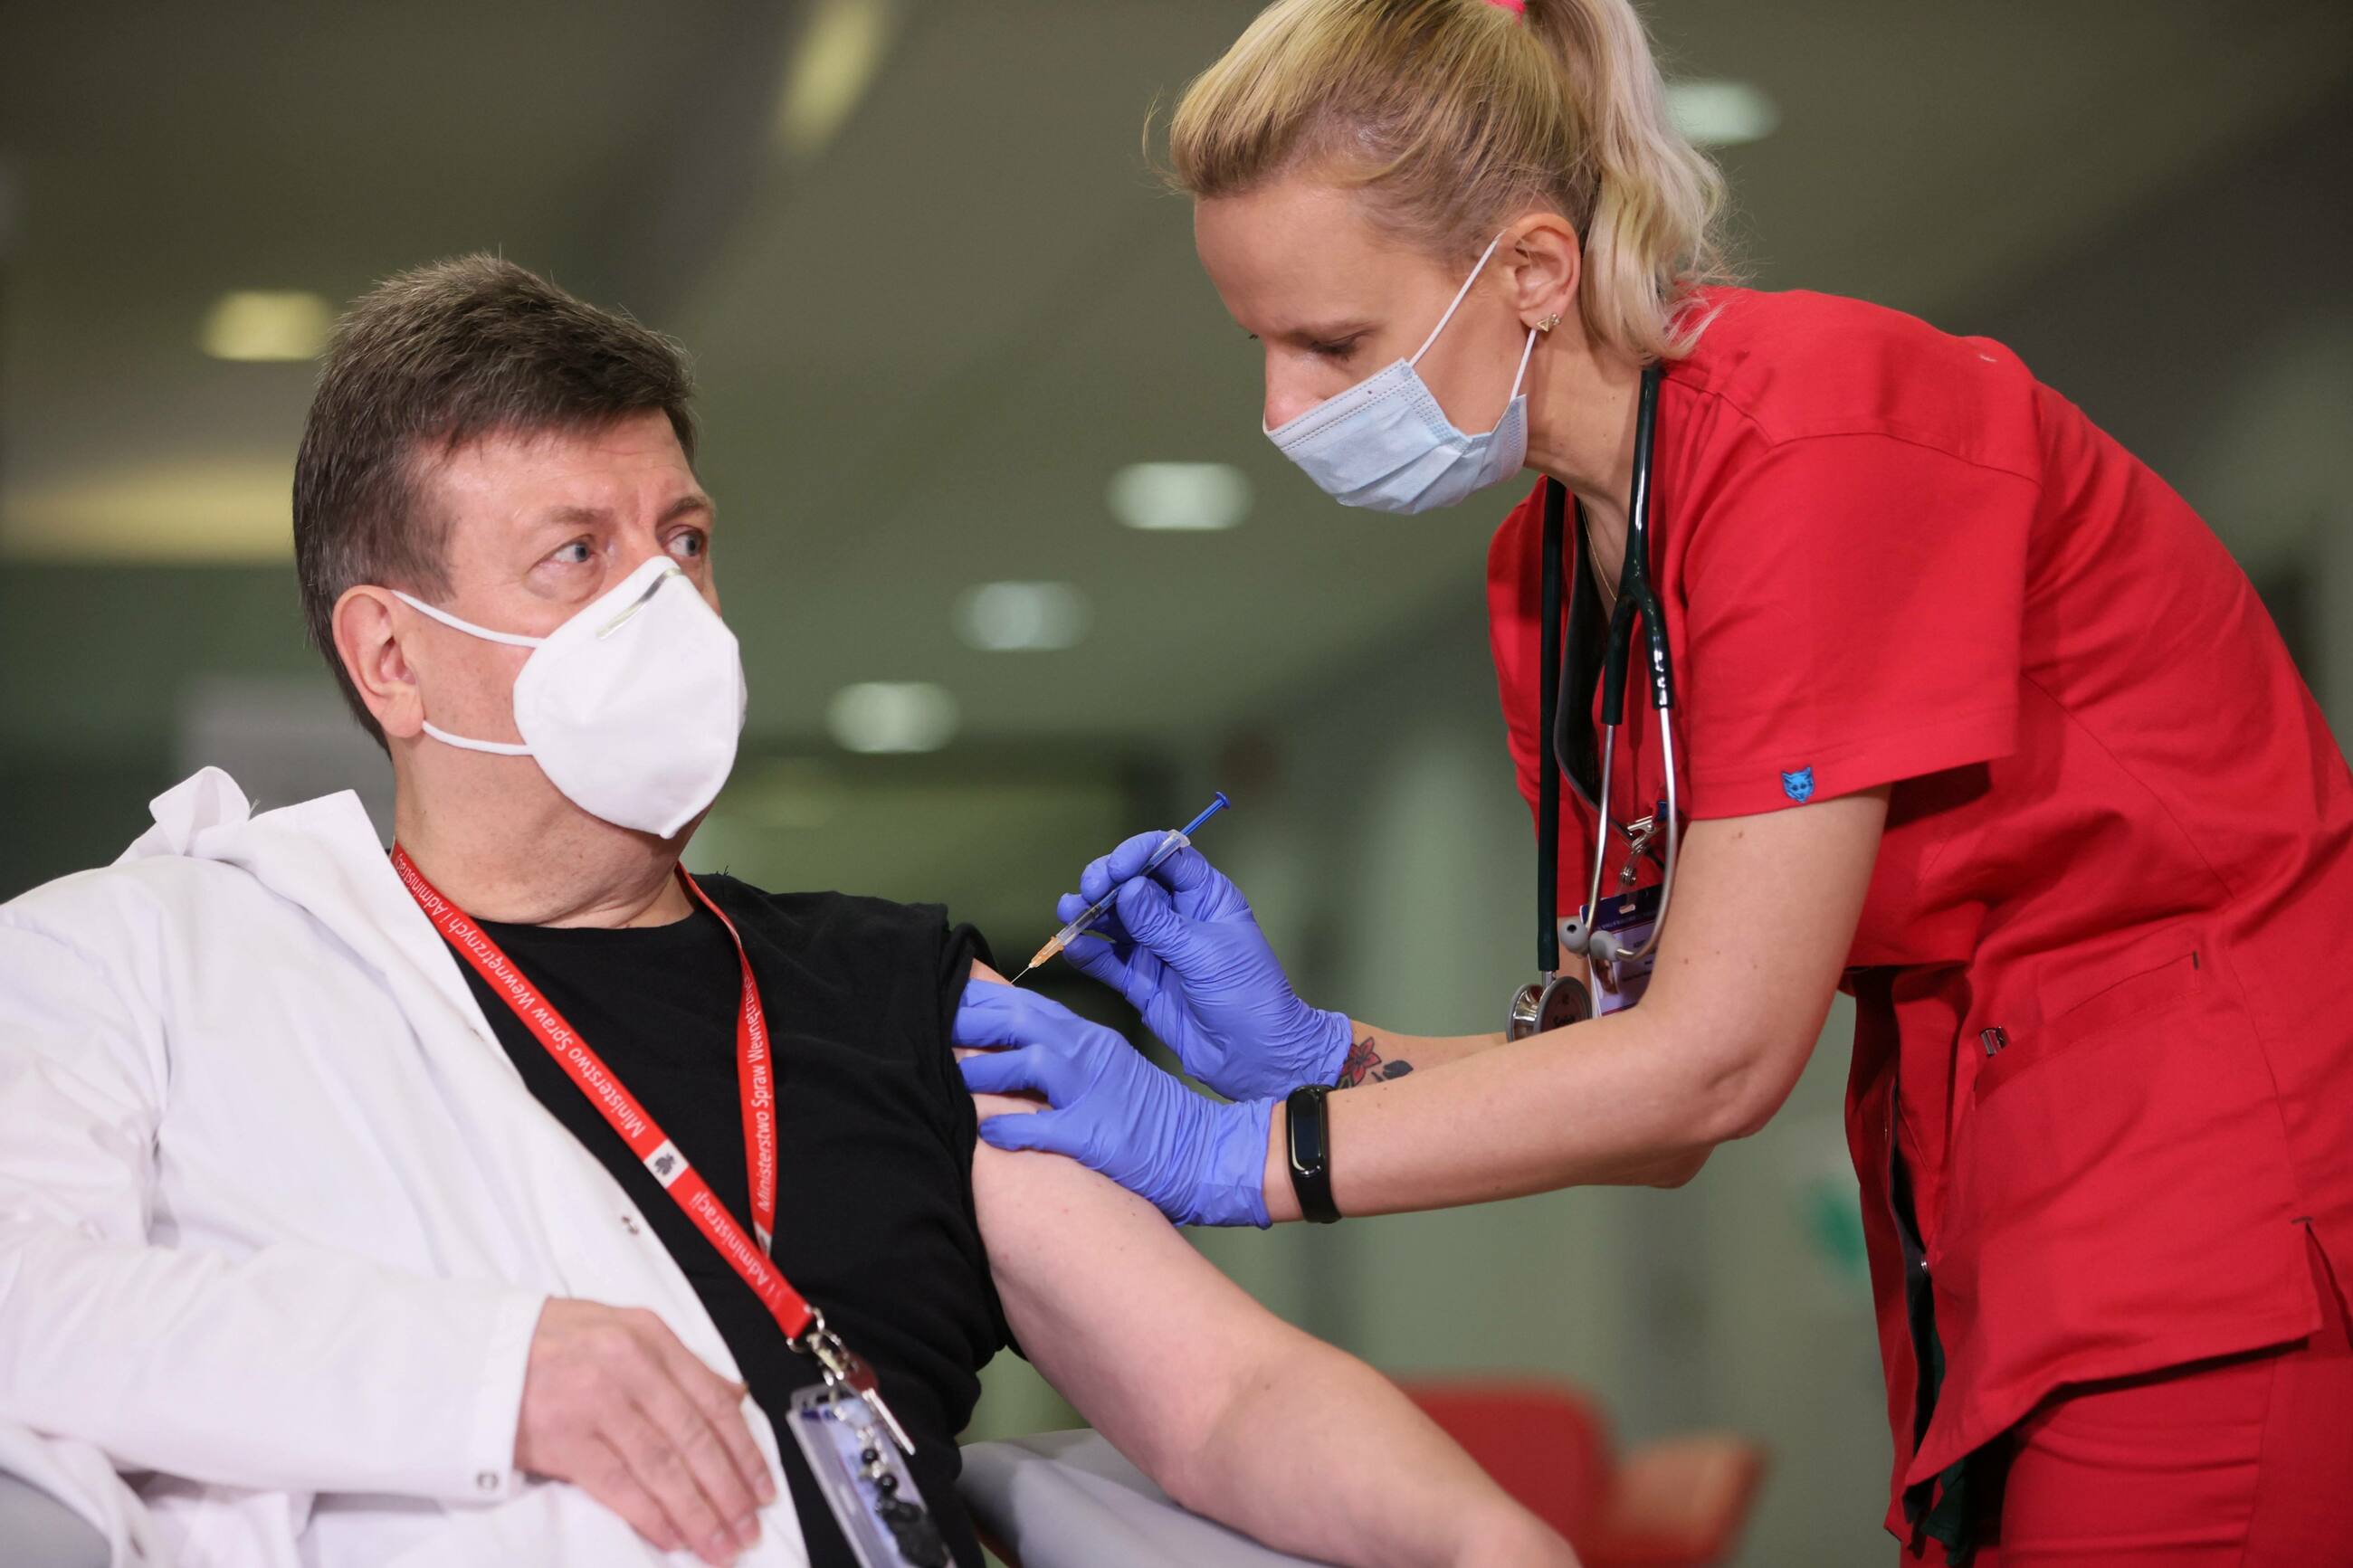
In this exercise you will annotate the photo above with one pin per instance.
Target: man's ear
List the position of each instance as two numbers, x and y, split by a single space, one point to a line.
1547 263
366 642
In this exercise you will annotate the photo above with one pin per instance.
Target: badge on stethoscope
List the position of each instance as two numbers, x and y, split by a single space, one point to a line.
1620 946
1617 936
1630 919
855 1450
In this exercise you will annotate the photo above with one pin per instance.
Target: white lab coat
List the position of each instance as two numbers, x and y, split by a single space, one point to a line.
277 1215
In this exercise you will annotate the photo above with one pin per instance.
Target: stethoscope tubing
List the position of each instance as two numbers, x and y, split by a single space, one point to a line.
1637 600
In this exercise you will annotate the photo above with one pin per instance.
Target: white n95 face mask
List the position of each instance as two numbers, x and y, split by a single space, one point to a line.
1385 444
632 708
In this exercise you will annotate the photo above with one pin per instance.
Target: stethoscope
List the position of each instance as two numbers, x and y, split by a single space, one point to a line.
1559 999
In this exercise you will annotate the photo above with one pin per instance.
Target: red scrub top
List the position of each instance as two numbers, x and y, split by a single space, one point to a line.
2105 1014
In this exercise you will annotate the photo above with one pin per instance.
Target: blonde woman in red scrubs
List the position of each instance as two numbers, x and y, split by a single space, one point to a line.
1970 716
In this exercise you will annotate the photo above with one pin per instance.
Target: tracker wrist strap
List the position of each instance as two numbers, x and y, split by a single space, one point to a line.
1308 1134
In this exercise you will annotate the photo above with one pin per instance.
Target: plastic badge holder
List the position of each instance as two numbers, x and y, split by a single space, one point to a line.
865 1481
1628 917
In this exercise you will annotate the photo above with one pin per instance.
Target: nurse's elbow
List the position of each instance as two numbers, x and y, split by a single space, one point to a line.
1751 1117
1676 1169
1744 1089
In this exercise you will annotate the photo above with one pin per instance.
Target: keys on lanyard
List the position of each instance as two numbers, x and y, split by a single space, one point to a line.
847 1372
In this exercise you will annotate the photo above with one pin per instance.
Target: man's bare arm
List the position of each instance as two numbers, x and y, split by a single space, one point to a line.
1235 1413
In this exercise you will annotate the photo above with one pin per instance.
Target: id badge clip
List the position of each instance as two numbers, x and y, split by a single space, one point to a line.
847 1374
1618 983
864 1477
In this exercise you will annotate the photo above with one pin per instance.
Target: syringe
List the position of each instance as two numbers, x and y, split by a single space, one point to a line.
1175 840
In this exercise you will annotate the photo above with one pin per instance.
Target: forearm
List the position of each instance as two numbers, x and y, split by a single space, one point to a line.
1616 1100
1377 1055
1732 1011
1318 1454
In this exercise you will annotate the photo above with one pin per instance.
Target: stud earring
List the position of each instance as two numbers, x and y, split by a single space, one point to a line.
1550 322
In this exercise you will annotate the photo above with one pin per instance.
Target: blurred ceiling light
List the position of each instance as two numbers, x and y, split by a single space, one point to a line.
1180 496
1721 113
1009 617
834 60
220 510
892 716
263 324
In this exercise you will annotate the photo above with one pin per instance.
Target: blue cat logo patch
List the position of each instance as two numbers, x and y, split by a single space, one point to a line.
1799 786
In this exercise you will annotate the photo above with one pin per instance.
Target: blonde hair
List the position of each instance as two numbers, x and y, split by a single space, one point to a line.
1452 116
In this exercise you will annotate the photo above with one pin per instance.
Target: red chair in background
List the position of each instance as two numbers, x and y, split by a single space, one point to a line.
1679 1502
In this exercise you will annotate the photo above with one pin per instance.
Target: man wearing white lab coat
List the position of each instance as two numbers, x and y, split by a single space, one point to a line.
295 1269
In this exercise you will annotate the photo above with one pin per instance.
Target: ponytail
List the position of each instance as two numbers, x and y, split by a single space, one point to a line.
1453 116
1649 234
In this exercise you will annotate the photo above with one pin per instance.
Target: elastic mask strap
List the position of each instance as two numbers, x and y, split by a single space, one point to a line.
1460 294
495 748
514 639
1521 374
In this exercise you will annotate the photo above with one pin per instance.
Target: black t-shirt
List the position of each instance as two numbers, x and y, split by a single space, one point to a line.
874 1216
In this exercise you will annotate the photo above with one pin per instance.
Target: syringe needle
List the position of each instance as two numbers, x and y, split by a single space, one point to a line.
1023 976
1083 925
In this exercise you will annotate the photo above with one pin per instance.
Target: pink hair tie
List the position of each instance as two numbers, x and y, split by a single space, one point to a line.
1516 7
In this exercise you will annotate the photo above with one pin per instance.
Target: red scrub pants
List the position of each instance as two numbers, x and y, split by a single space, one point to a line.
2241 1462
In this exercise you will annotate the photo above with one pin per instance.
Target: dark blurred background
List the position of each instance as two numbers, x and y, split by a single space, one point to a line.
1016 573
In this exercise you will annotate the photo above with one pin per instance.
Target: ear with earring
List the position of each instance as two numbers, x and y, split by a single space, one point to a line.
1550 322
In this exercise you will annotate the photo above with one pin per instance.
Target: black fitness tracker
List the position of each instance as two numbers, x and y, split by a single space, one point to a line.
1310 1138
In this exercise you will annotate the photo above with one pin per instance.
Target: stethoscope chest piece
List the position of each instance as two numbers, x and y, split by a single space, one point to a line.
1553 1003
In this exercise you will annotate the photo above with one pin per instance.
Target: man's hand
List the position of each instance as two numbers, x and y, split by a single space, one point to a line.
614 1404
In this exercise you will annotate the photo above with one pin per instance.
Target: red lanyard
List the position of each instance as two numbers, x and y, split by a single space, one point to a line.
620 1108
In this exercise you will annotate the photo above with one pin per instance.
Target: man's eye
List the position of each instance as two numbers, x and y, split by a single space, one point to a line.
576 553
1340 350
690 542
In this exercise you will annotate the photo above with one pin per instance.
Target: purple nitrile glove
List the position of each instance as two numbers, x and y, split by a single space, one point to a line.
1196 1160
1184 948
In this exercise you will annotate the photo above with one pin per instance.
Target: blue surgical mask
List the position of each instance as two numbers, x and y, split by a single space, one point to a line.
1385 444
